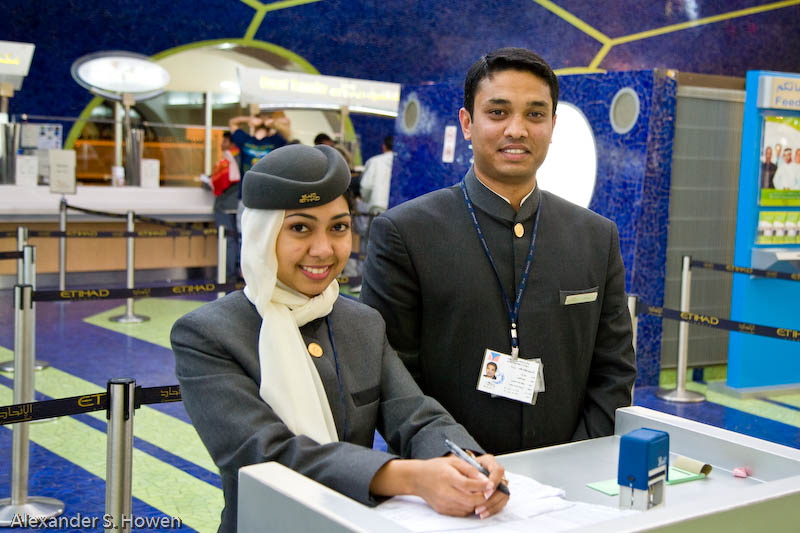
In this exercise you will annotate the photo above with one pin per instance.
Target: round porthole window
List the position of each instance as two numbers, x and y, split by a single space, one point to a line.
570 169
624 110
411 115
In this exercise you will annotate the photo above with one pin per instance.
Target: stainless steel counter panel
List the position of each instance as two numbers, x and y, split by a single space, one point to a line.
31 203
769 501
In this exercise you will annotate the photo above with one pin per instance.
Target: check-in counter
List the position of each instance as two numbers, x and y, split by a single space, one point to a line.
38 209
769 500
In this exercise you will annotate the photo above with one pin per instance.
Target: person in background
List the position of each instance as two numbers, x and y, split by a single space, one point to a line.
377 177
785 176
288 370
272 129
225 180
323 138
495 263
768 169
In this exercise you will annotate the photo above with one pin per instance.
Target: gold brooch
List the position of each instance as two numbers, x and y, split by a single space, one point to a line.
315 349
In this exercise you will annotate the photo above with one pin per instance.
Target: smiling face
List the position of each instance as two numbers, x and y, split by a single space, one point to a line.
787 155
510 128
313 246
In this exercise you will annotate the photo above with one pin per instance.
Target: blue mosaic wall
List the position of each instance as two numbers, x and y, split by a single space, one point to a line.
417 43
407 42
633 172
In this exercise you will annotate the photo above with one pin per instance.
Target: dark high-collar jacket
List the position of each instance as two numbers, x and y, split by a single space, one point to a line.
217 365
428 275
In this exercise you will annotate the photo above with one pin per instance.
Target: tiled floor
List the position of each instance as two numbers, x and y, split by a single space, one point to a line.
173 474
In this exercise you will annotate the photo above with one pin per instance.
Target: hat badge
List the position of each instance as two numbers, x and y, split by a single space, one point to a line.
309 197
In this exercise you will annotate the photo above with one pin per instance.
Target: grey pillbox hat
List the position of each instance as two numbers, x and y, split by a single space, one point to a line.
296 176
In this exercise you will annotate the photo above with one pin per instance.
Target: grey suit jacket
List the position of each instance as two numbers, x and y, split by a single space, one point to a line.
216 355
428 275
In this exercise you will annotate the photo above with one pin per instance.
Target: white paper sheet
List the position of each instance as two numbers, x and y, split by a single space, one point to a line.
532 505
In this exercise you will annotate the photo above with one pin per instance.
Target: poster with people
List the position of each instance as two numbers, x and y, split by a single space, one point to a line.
779 175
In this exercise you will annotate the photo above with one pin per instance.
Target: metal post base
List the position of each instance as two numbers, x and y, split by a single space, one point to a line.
129 319
8 366
34 506
685 396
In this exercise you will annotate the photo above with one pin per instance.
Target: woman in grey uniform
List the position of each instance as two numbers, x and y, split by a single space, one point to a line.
288 370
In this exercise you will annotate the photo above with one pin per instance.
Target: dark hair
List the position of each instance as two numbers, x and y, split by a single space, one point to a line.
388 142
321 138
226 135
491 363
350 196
508 59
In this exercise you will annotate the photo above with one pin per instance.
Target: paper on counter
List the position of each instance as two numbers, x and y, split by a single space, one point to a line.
532 505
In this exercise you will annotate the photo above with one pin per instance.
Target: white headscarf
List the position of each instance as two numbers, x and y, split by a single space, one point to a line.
290 383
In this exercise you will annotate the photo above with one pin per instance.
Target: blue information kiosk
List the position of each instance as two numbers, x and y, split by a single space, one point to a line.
767 237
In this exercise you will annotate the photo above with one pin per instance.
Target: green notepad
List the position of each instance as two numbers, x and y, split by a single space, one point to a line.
676 475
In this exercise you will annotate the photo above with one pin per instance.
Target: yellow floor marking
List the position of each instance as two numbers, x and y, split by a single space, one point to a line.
162 486
752 406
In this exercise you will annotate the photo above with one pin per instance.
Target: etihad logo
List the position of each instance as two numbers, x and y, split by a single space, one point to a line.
310 197
700 319
740 270
747 328
8 60
792 334
89 293
91 400
187 289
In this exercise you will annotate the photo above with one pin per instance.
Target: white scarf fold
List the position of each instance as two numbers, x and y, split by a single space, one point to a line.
290 383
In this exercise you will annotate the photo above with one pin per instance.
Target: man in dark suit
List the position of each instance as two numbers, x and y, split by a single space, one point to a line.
496 263
768 169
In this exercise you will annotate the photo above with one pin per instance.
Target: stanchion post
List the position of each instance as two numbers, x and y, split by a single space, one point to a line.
680 394
633 309
20 504
28 278
22 240
62 245
222 258
119 453
130 317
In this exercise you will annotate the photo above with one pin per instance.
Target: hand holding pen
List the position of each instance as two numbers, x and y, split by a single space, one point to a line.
461 454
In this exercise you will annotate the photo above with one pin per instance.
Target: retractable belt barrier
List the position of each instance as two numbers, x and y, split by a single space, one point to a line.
87 403
772 274
113 294
90 234
719 323
10 255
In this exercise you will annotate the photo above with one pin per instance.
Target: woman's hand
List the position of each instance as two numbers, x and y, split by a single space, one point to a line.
495 500
448 484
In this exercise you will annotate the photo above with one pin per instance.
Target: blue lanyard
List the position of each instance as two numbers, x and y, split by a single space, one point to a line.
513 312
338 378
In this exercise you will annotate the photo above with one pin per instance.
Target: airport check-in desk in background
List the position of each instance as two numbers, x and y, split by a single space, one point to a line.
768 501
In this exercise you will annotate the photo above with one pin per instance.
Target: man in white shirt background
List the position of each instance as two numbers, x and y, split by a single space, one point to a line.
377 177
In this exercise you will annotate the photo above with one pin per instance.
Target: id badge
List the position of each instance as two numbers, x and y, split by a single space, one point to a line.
513 378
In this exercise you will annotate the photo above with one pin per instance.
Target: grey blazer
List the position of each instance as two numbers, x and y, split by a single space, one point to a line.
428 275
216 356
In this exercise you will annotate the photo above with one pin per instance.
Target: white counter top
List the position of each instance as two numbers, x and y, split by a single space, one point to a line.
18 202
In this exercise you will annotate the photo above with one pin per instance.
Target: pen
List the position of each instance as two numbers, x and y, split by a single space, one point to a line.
461 454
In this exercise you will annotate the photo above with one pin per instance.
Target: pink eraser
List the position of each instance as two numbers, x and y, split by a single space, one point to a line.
742 471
